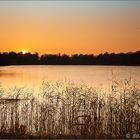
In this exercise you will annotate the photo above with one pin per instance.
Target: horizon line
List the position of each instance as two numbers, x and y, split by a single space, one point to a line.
30 52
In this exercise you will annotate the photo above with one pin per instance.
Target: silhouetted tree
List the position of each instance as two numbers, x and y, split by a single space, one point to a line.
12 58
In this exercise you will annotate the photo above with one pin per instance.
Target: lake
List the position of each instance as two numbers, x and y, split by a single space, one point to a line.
66 109
98 76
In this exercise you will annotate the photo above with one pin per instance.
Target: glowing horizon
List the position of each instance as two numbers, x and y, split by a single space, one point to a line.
69 27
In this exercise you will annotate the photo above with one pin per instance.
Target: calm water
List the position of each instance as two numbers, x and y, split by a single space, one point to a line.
98 76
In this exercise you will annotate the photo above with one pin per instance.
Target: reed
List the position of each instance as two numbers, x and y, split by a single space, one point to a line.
68 110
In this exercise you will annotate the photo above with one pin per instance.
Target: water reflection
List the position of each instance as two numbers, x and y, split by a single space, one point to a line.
6 73
32 76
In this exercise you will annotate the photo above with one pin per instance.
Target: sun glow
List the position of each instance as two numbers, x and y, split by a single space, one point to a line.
24 51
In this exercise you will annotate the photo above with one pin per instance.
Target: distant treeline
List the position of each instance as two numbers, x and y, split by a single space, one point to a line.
13 58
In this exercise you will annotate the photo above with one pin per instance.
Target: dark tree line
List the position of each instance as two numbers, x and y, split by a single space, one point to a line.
12 58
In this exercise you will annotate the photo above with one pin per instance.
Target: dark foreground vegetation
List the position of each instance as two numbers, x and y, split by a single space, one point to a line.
12 58
66 110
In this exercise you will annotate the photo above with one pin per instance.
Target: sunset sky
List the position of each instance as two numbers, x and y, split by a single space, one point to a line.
70 26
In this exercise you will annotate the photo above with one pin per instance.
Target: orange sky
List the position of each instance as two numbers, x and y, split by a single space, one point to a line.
69 27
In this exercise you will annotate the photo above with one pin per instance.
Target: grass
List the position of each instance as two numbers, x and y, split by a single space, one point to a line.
67 110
